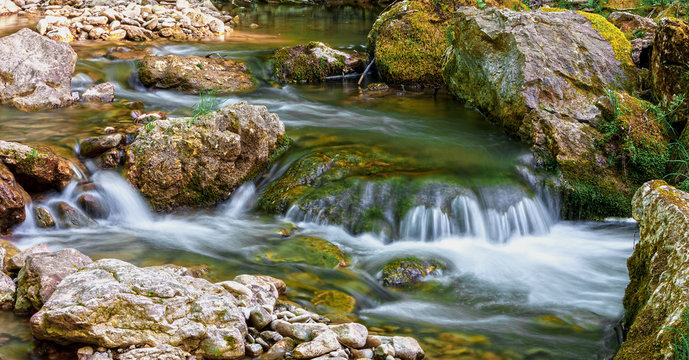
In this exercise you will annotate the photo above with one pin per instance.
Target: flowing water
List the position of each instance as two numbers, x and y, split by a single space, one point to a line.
519 282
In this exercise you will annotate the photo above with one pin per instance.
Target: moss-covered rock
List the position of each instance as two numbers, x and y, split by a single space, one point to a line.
35 169
656 296
408 271
307 250
409 40
200 161
194 74
670 59
313 63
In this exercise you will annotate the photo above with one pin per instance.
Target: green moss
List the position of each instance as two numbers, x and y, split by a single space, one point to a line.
307 250
620 45
333 300
589 200
299 64
408 271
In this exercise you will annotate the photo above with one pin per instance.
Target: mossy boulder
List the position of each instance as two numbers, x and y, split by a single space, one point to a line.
641 32
35 169
188 162
408 271
543 76
670 59
313 63
194 74
307 250
656 298
409 40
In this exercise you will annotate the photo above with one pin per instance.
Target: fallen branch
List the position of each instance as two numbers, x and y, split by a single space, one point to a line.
366 70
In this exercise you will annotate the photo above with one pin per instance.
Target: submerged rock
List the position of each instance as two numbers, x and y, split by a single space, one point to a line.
194 74
670 58
36 170
313 63
41 275
13 200
408 271
656 299
35 72
307 250
113 304
104 92
200 161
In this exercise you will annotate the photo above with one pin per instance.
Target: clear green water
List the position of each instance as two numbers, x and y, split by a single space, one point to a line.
548 296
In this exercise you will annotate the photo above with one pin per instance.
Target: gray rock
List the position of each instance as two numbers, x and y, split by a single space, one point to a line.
405 348
36 71
351 335
279 349
143 306
42 273
253 350
259 317
160 352
325 342
104 92
69 217
7 292
18 261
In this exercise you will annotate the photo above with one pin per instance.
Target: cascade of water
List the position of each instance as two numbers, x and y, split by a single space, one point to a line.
126 204
241 200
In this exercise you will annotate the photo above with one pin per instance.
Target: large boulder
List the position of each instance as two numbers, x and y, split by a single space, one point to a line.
194 74
35 72
313 63
200 161
36 170
42 273
13 200
409 40
656 298
113 304
559 80
670 58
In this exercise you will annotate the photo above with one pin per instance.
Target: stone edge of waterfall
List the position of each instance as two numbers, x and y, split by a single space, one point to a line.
656 300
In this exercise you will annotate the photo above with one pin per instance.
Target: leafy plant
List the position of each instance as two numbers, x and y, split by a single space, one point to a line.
667 112
680 345
208 100
638 34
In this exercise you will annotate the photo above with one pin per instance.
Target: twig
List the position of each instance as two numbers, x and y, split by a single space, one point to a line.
366 70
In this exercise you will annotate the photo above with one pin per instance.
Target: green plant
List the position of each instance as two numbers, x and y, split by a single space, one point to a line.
680 346
207 102
667 112
481 4
638 34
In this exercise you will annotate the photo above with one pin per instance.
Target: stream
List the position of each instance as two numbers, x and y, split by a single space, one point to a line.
520 283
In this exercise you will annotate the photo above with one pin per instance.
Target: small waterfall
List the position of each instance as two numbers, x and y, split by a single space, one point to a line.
241 201
426 224
126 204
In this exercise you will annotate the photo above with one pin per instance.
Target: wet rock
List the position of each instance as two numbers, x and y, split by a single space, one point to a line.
145 306
655 299
314 62
94 146
197 162
93 206
160 352
39 278
126 53
669 59
407 348
307 250
69 217
110 159
279 349
104 92
259 317
351 335
12 200
43 218
7 292
195 74
35 170
408 271
18 261
135 33
35 72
